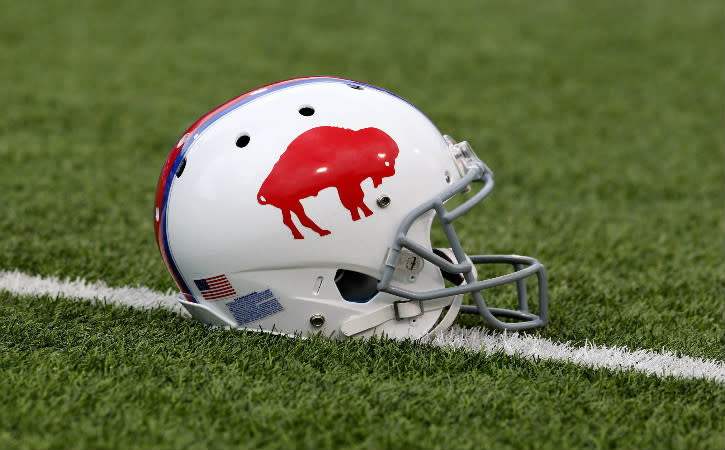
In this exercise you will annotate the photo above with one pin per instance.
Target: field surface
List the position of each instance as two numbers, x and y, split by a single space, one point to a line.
603 122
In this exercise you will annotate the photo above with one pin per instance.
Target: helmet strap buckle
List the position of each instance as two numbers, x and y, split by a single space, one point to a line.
407 309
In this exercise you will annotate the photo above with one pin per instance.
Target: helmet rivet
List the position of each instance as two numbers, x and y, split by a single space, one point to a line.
317 320
383 201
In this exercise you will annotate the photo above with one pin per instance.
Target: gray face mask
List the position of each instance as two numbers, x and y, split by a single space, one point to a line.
459 267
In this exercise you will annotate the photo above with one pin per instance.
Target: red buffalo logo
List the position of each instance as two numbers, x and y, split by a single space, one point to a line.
328 157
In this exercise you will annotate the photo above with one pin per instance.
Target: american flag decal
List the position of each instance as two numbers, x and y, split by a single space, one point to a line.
215 287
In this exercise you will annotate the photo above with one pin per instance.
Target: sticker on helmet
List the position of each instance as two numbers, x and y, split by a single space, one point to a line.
324 157
254 306
214 288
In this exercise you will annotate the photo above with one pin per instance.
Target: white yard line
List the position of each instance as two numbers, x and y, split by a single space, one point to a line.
139 297
661 364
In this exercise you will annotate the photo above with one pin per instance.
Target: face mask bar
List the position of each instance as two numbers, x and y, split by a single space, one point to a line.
472 170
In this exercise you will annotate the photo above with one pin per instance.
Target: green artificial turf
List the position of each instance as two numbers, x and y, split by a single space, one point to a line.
110 377
603 122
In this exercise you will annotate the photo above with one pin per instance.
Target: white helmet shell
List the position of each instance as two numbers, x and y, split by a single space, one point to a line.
278 211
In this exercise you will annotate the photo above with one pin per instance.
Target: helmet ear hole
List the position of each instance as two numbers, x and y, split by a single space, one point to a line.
355 286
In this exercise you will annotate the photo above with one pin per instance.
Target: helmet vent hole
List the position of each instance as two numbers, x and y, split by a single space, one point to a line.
181 168
355 86
355 286
243 141
307 111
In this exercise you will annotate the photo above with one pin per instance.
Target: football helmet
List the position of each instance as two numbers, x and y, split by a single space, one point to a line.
306 206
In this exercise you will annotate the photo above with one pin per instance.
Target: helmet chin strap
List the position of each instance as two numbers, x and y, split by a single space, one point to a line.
398 310
412 308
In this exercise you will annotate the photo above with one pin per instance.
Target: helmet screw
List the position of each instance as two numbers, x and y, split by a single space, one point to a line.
383 201
317 320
